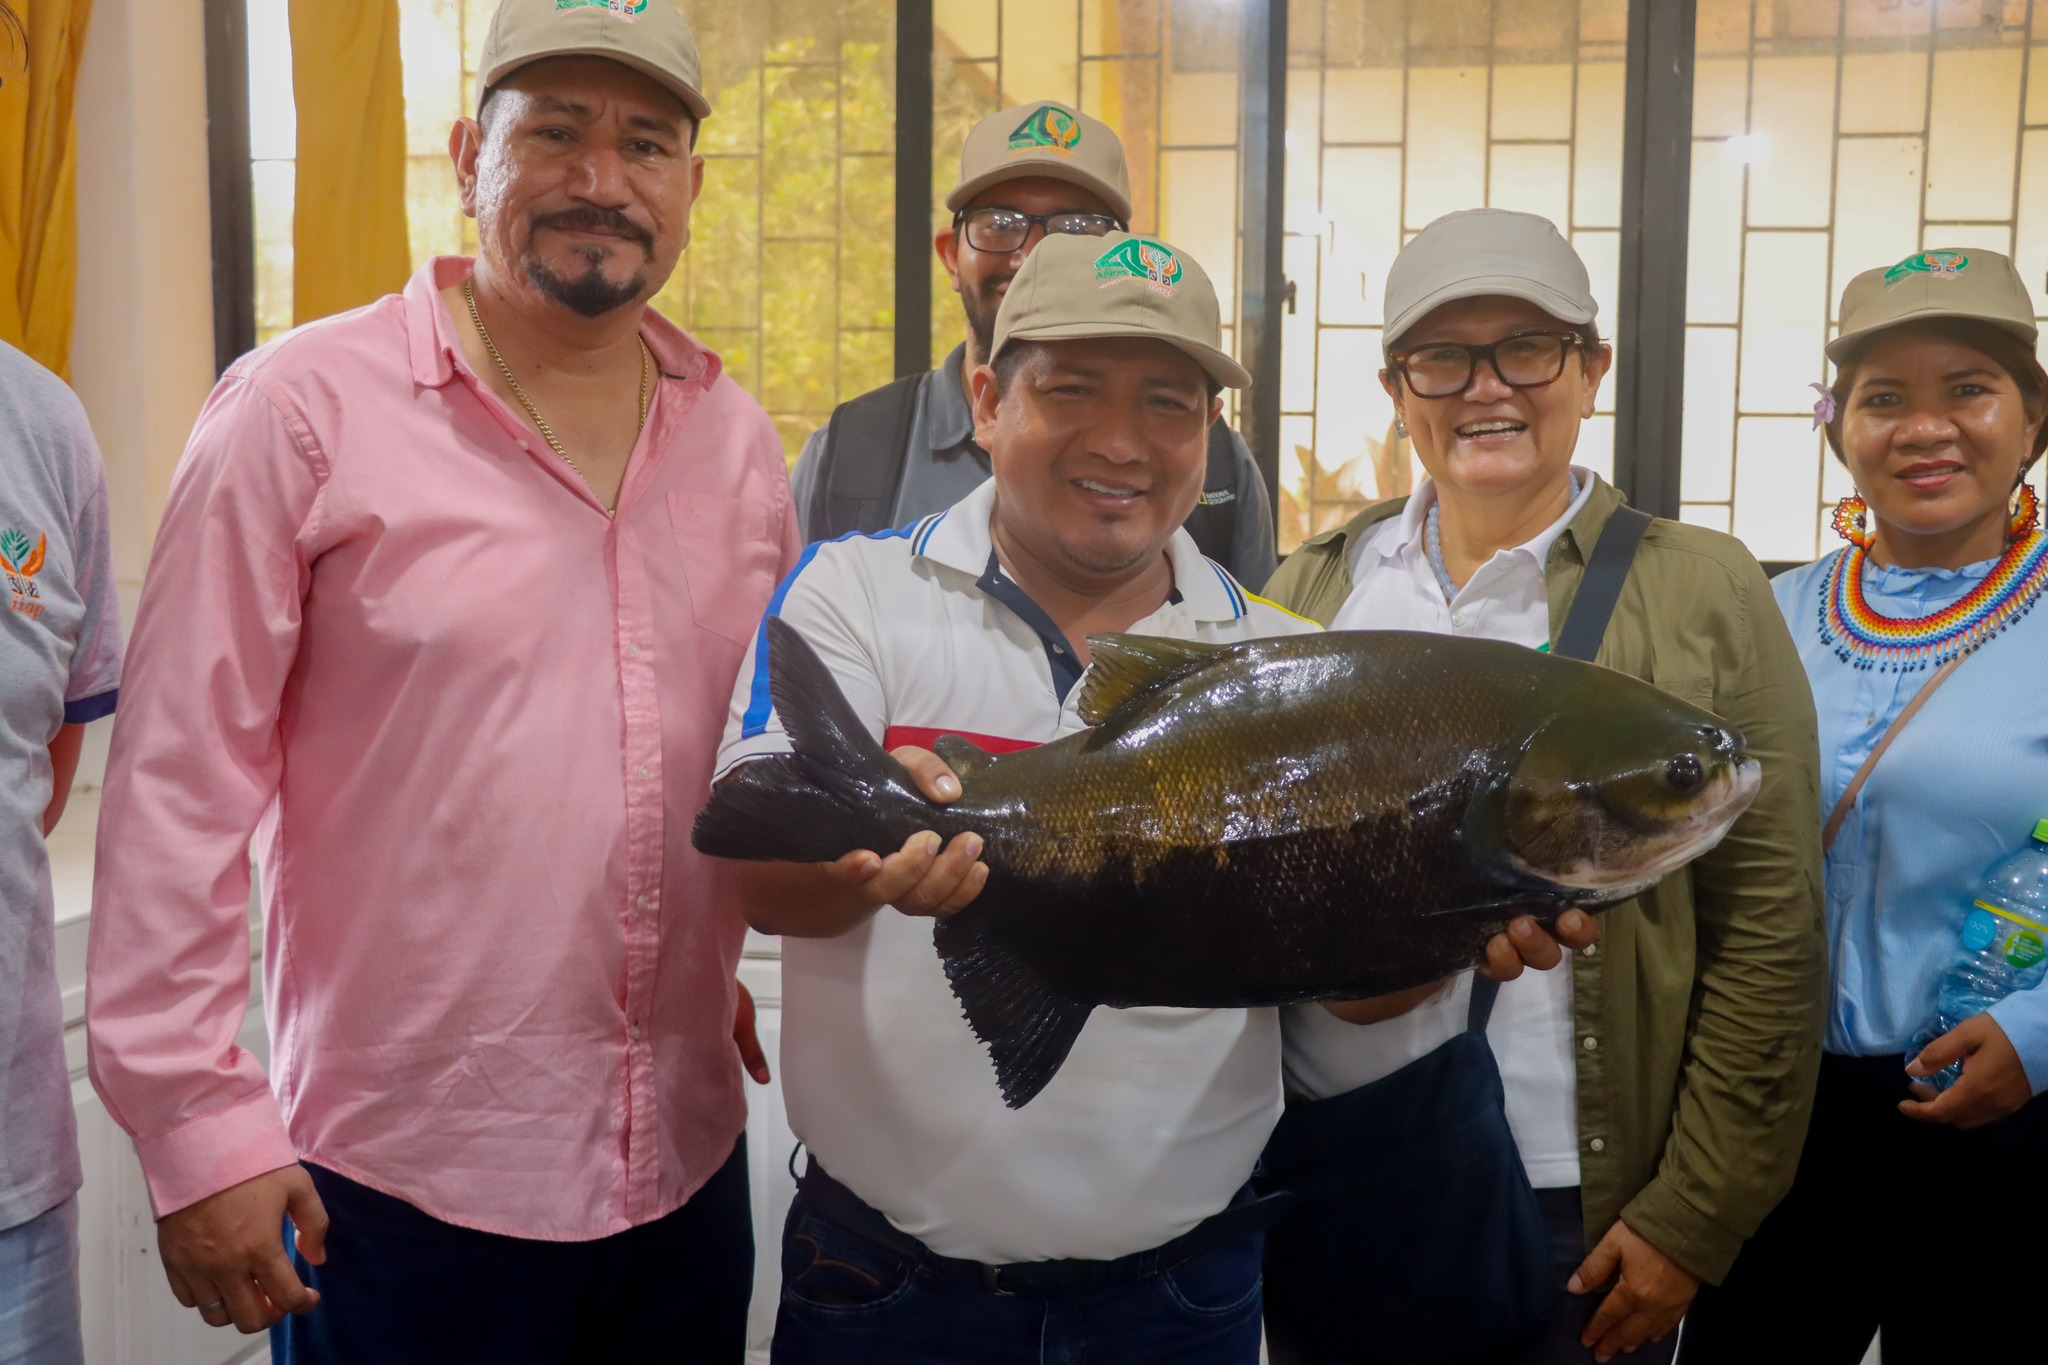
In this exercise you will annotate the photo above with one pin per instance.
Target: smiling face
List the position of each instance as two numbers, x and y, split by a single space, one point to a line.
1492 439
1098 448
1935 434
981 278
581 179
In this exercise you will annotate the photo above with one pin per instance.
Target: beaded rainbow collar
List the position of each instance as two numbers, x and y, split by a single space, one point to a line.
1865 638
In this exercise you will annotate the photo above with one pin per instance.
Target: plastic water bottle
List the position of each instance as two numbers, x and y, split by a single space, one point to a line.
2004 947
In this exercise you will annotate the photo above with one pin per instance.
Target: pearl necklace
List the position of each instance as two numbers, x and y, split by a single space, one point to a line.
1432 539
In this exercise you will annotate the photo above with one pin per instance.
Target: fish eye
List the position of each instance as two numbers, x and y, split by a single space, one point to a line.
1685 774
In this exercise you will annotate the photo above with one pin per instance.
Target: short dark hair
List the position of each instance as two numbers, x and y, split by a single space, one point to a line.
2002 348
483 110
1011 359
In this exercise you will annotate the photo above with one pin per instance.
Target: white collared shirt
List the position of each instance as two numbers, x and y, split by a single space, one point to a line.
1394 588
1157 1117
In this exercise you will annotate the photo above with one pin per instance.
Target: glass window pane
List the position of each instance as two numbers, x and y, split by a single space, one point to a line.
1922 145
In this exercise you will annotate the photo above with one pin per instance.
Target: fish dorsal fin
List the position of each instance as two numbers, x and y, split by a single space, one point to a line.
962 755
1124 668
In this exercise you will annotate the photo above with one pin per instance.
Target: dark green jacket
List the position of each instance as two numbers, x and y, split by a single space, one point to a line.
1698 1016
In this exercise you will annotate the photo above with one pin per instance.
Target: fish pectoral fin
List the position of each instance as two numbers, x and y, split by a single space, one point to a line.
962 755
1124 668
1027 1026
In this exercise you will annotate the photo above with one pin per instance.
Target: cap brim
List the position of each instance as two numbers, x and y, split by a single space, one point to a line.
1046 168
1216 364
692 98
1839 348
1549 300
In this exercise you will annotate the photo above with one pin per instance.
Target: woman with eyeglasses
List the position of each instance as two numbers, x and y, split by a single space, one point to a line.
1938 409
1654 1092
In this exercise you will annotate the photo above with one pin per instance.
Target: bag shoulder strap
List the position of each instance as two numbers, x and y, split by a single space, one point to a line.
1884 741
1213 525
1585 622
1585 626
1485 990
864 457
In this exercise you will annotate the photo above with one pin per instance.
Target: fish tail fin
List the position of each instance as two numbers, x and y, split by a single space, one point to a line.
1027 1026
837 791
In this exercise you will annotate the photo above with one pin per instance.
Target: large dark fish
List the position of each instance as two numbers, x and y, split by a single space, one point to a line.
1314 817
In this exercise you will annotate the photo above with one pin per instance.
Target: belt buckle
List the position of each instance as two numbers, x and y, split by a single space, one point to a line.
992 1281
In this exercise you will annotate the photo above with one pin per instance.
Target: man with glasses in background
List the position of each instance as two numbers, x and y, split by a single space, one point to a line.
907 449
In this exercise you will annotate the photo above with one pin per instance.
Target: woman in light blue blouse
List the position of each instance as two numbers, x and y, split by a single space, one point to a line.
1937 411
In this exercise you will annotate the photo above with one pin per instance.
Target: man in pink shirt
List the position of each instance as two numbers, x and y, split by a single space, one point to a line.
445 612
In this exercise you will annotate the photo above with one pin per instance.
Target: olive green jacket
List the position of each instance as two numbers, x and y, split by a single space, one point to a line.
1698 1015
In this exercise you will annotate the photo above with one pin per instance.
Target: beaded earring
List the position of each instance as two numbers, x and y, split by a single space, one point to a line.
1852 521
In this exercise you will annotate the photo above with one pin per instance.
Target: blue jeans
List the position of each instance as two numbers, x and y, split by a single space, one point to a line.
39 1290
848 1301
403 1288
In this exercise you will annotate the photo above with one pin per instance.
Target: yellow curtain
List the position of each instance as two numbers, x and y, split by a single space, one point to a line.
38 178
348 226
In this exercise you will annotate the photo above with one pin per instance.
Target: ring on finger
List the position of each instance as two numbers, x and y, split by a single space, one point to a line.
209 1307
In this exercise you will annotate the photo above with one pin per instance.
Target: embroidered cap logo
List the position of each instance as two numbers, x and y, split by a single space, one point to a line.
629 10
1942 265
23 564
1048 129
1139 259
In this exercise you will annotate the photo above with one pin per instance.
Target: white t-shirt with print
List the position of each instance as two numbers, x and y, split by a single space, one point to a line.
1158 1115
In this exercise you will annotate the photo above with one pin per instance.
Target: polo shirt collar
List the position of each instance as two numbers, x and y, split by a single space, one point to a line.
436 348
959 539
1409 528
948 421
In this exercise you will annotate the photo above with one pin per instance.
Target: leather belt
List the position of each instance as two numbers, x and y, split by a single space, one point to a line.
1245 1216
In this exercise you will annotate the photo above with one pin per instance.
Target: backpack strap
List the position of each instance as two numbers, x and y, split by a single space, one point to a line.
864 457
1213 523
1585 622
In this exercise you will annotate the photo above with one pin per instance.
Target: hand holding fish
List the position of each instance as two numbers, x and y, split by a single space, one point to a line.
1525 944
927 876
1522 944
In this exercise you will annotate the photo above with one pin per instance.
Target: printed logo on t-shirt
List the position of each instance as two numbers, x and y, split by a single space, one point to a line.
23 563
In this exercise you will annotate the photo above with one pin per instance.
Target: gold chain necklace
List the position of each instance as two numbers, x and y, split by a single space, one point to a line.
540 423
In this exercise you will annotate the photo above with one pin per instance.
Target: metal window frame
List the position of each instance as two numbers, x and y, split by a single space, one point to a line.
230 181
1656 204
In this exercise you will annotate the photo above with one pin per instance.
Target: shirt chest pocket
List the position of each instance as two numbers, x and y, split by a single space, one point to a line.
729 560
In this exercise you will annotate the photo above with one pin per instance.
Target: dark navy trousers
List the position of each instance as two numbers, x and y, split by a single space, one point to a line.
848 1301
403 1288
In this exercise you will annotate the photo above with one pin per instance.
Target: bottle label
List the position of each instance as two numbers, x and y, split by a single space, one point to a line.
2025 948
1980 930
2025 944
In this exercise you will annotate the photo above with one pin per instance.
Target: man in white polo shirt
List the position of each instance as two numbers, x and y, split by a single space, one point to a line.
1107 1219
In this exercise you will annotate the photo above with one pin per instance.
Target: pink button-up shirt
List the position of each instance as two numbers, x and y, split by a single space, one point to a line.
468 719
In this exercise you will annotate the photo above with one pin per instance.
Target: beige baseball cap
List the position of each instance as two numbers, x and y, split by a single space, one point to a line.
651 36
1947 283
1477 252
1119 285
1049 139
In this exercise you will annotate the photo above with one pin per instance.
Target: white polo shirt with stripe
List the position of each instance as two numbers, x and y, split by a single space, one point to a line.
1157 1117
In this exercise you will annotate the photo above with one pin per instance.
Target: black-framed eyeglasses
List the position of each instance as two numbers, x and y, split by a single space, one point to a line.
1527 360
1001 230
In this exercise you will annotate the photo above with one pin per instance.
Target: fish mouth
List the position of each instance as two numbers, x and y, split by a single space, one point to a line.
1727 796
